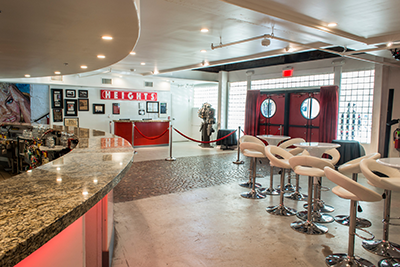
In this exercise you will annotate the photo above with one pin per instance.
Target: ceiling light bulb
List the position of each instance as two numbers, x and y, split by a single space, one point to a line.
101 56
132 53
204 30
156 72
57 72
332 24
143 63
106 37
203 51
27 75
389 44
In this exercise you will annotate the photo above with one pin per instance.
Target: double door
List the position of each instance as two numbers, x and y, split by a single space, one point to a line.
294 113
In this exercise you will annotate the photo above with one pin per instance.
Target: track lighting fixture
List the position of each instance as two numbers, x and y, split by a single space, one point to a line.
265 42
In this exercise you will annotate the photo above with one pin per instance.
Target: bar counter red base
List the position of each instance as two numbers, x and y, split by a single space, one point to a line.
149 128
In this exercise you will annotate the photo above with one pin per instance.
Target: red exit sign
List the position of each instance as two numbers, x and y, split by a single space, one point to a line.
127 95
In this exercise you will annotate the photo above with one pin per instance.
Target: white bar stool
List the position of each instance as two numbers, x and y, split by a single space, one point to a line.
250 138
353 167
313 168
272 152
370 168
349 189
254 151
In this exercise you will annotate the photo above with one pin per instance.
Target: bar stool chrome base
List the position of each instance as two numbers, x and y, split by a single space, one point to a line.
344 260
309 228
316 217
249 185
382 248
296 196
252 195
322 207
270 191
390 262
281 210
287 188
345 220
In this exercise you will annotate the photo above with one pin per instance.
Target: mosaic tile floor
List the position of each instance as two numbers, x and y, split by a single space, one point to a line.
158 177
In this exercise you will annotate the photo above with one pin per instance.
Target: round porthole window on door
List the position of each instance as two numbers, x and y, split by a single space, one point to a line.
310 108
268 108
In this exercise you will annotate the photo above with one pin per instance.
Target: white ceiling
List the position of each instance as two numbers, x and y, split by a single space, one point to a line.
170 37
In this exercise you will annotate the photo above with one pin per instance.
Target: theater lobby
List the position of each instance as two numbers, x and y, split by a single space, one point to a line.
161 133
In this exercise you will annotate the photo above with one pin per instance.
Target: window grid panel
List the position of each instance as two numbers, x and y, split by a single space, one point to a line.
237 92
355 106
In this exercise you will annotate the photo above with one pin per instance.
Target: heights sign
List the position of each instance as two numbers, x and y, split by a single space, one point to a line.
127 95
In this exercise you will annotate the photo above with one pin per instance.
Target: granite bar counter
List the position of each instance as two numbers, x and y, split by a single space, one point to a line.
148 128
39 204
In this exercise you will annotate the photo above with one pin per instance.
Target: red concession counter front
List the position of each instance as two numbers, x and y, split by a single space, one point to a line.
149 128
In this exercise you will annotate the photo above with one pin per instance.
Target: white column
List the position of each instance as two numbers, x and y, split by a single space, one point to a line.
222 116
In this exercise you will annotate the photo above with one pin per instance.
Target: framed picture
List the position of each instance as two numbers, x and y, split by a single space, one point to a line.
57 98
57 115
83 104
83 142
71 108
70 93
71 122
152 107
116 108
98 109
83 93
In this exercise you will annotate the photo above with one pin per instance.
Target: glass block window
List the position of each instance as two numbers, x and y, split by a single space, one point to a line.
294 82
206 93
236 104
355 106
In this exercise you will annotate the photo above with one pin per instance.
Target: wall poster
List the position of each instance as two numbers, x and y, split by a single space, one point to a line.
15 100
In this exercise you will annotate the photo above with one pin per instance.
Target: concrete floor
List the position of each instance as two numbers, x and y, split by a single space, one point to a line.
214 226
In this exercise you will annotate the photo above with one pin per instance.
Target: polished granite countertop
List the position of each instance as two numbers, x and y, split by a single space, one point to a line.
141 120
38 204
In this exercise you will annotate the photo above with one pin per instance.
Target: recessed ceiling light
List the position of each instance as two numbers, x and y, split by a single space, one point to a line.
204 30
57 72
203 51
143 63
133 53
101 56
156 71
332 24
27 75
83 67
106 37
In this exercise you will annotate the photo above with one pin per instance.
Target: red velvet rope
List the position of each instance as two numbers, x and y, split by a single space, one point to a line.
204 142
153 137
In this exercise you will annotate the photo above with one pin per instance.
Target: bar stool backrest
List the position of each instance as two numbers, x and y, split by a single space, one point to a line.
249 149
370 169
334 153
271 152
291 142
358 191
310 166
353 166
250 138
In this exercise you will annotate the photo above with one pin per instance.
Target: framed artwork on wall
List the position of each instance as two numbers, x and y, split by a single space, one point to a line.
83 104
70 93
152 106
57 98
57 115
163 108
83 93
71 122
71 108
98 108
116 108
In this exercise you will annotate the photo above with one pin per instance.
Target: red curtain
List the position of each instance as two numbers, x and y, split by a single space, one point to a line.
252 112
329 101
